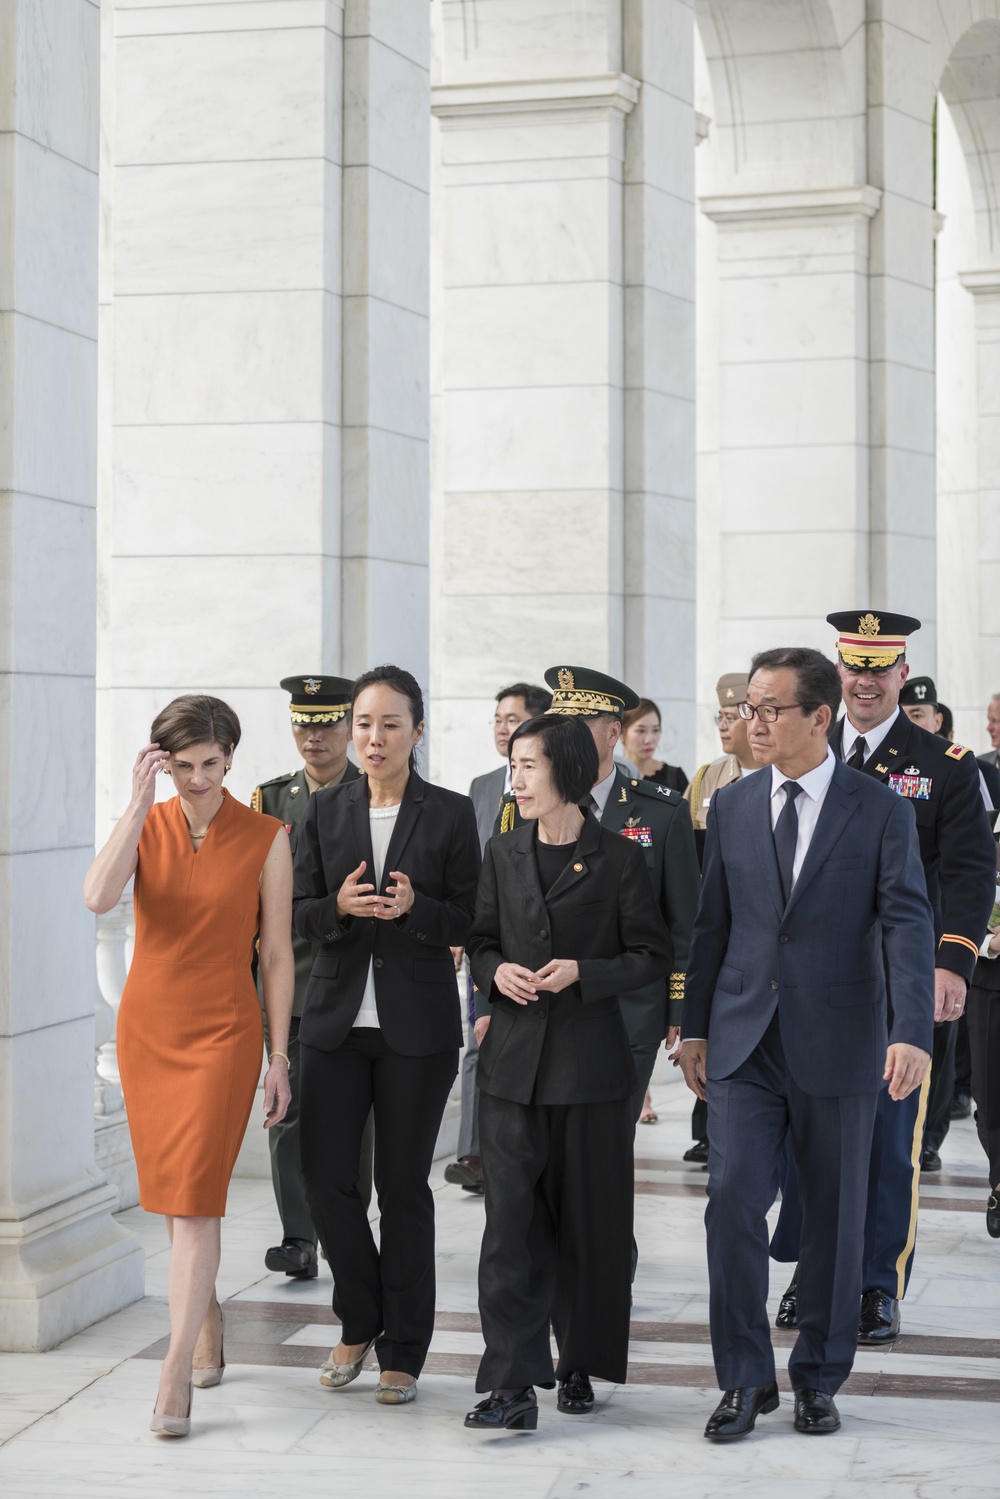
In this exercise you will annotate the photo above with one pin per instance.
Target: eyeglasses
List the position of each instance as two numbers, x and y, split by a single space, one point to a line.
730 718
510 722
767 712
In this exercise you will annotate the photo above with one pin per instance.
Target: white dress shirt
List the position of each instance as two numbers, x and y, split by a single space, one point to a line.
809 804
872 737
602 791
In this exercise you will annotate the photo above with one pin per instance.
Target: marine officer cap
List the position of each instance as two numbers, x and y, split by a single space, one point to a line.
917 691
870 640
319 699
577 689
732 688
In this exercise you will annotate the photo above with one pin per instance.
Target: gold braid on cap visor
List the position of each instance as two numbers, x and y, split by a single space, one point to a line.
319 712
861 651
575 700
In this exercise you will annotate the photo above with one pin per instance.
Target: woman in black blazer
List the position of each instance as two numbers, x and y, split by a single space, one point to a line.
565 922
385 883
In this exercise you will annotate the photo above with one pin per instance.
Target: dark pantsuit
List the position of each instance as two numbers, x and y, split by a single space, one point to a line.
286 1159
942 1089
387 1290
749 1114
557 1240
983 1010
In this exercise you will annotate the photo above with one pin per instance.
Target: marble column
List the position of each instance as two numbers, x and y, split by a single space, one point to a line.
564 421
64 1261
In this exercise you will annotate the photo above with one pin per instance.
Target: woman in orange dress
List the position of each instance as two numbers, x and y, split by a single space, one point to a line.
210 875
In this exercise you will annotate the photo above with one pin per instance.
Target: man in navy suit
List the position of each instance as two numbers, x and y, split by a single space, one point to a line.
813 897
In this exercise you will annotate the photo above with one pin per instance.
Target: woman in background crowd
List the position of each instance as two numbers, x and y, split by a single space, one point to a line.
641 730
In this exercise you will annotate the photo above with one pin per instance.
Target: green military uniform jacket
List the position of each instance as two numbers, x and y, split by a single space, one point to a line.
287 797
657 819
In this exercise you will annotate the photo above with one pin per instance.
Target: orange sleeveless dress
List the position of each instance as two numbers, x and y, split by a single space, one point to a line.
190 1031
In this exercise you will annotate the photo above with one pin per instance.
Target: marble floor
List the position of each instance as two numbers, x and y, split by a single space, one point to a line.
919 1420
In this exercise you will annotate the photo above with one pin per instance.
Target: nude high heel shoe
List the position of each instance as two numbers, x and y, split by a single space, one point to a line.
173 1426
203 1379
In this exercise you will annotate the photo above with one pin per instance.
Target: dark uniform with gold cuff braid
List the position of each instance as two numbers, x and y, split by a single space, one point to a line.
941 781
657 819
324 700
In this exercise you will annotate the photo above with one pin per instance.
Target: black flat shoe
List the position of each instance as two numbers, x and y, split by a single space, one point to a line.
961 1106
698 1152
505 1410
295 1257
575 1396
993 1216
930 1160
815 1413
787 1314
879 1323
737 1411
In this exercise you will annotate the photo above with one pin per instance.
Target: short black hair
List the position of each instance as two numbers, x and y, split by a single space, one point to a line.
569 747
401 681
817 680
537 700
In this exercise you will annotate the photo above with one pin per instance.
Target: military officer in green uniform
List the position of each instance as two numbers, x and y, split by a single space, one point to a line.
657 819
321 717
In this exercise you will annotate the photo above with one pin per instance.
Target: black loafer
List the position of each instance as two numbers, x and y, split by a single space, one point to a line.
787 1314
737 1411
815 1413
698 1153
879 1323
575 1396
930 1160
506 1410
961 1106
993 1216
296 1257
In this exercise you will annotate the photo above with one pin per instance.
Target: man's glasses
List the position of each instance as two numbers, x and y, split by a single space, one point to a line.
768 712
729 718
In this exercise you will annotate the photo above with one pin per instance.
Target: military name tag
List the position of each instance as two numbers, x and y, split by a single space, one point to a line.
912 784
642 836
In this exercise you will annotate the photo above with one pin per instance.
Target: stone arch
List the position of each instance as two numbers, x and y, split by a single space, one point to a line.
970 85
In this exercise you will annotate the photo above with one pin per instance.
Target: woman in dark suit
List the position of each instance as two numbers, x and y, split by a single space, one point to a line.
385 882
565 922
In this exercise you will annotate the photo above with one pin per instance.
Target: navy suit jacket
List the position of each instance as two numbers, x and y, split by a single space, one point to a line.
858 915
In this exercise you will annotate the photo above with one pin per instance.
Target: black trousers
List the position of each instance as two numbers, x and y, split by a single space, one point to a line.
983 1010
558 1240
750 1114
388 1290
942 1085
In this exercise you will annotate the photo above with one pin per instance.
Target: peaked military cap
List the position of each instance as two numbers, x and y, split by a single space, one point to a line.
578 690
917 691
870 641
732 688
319 699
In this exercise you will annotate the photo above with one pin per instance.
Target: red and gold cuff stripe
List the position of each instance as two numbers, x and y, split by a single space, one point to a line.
963 941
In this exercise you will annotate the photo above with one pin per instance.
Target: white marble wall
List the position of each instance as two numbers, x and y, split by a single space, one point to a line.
563 470
63 1260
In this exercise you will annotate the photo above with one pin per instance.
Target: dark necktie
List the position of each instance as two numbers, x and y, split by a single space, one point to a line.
858 755
786 836
592 806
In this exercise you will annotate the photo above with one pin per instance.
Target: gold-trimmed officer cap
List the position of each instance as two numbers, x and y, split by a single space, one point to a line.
917 691
319 699
732 688
578 690
871 639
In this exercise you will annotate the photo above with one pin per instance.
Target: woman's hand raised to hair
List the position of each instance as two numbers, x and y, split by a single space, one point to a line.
149 761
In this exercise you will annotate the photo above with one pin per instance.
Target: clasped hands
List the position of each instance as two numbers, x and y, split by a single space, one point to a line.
522 985
355 898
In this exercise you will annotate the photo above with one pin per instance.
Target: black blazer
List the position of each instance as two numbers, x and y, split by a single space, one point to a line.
435 843
570 1047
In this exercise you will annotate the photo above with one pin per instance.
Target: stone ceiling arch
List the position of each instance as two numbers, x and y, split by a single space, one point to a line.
970 85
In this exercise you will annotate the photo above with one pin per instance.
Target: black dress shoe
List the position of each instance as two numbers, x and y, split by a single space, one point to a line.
466 1172
698 1152
815 1413
993 1216
787 1315
961 1106
929 1159
295 1257
879 1322
737 1411
505 1410
575 1396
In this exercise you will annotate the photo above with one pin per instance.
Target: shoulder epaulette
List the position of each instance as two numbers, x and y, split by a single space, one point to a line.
956 751
278 780
656 791
257 800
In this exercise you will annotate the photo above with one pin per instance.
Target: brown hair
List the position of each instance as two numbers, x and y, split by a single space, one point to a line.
195 719
645 705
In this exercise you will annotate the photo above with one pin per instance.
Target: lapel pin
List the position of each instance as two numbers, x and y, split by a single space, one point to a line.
578 868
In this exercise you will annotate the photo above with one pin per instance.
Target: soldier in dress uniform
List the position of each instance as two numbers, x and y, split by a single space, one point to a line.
657 819
941 782
321 720
736 760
